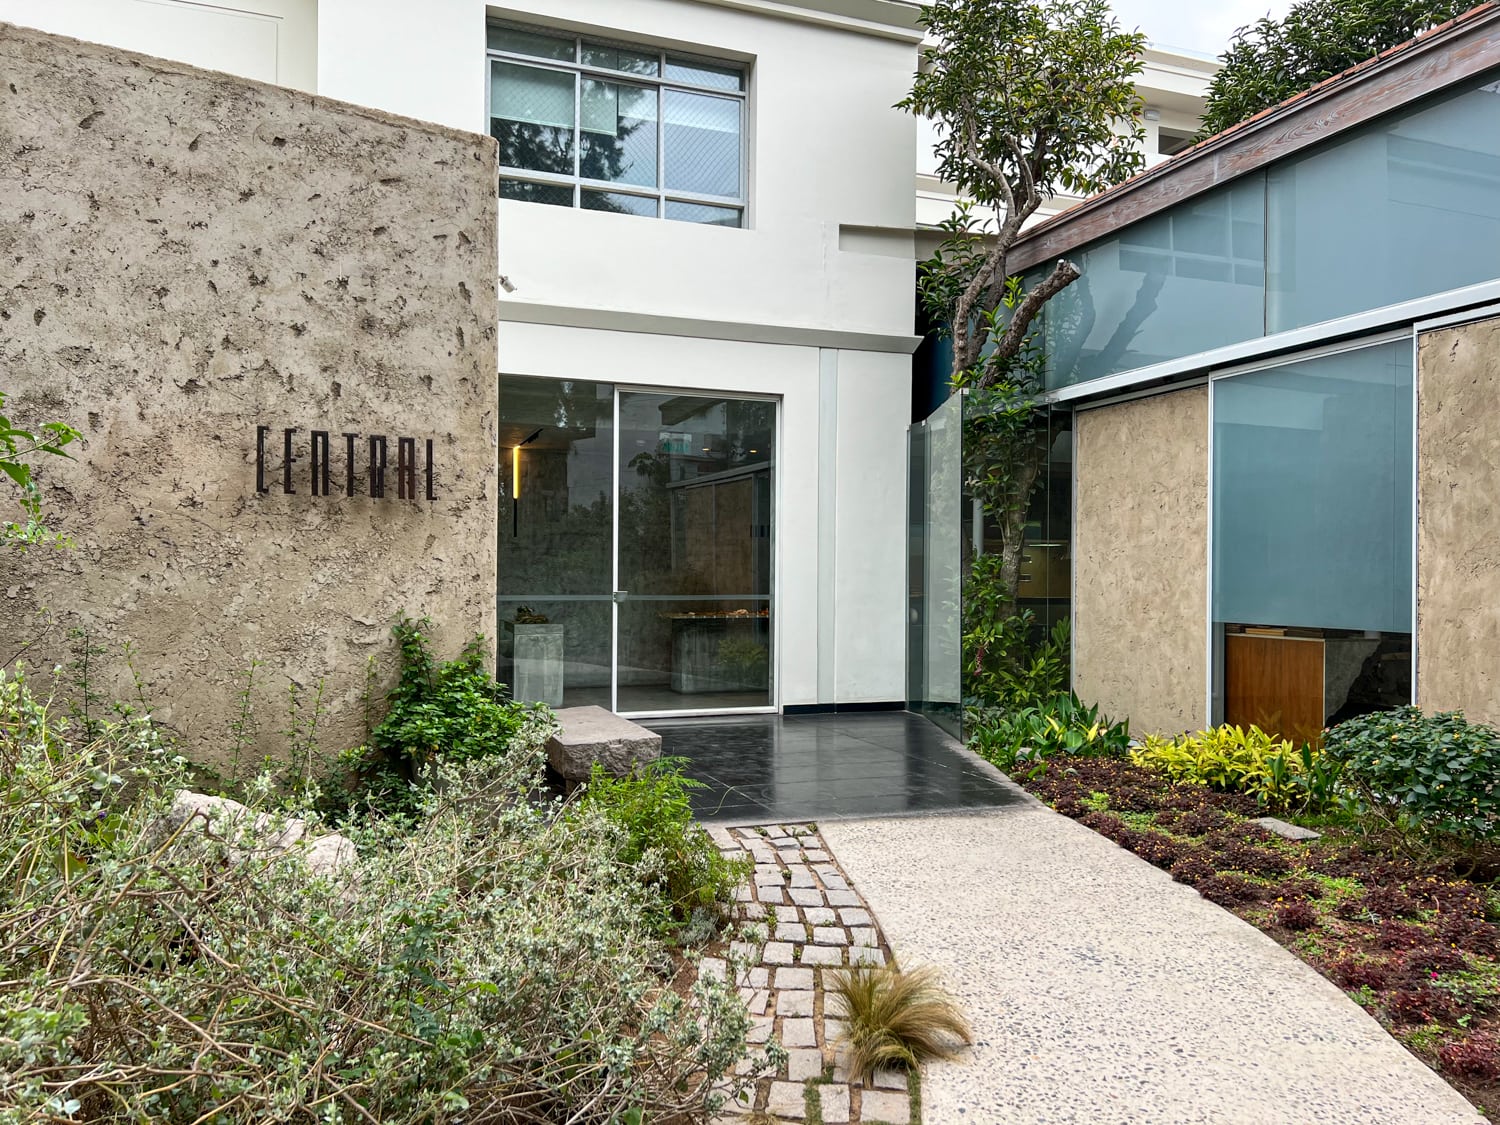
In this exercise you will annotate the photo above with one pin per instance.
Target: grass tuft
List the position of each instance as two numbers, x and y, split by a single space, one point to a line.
897 1019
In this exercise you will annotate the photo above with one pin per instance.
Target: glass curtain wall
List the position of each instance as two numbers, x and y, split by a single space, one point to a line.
1312 539
635 551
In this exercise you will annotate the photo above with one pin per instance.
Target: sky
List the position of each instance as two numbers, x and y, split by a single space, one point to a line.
1199 25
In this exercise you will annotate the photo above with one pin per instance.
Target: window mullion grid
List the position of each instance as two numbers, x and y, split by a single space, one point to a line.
661 141
577 124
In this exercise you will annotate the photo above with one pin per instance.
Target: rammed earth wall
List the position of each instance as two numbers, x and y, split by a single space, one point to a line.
185 256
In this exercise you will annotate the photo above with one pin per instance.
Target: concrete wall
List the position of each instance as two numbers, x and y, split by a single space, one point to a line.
1140 545
1458 533
267 40
188 256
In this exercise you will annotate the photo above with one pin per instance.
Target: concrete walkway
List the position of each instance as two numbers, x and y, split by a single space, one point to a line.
1103 992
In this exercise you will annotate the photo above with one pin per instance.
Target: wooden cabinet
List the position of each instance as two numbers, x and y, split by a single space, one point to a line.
1275 683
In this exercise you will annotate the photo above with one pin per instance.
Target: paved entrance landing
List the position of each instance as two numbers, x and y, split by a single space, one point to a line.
767 769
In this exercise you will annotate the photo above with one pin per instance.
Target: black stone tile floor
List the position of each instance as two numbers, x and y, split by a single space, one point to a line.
767 769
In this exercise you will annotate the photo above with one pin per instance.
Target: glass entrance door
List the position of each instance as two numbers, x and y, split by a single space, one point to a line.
635 547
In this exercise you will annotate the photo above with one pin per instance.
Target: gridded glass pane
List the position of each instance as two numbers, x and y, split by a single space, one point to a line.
1404 209
618 128
704 213
705 74
531 115
1180 282
621 58
702 135
534 43
1312 493
558 195
619 203
563 660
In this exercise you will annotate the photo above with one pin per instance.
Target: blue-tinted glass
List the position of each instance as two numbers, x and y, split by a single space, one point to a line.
557 195
1180 282
618 133
534 43
1407 208
702 137
703 213
1312 492
621 58
705 74
619 202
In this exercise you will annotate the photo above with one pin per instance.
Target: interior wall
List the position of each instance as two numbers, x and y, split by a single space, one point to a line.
1140 549
1458 529
192 256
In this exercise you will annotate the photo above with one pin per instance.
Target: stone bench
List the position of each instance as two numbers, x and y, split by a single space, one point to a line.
591 734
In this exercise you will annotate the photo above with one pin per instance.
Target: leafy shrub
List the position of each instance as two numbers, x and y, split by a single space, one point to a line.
661 840
1230 890
1477 1057
1236 759
1434 959
1063 725
1193 868
1418 1006
493 965
896 1019
1355 973
438 712
1005 663
1433 773
1298 915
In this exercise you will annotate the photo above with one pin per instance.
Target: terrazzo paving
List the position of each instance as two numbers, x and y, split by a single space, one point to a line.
800 919
1102 992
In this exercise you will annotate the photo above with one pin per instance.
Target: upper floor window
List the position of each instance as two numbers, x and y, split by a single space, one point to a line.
613 127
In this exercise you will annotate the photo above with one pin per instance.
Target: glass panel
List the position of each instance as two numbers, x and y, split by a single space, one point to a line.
619 203
1181 282
1405 209
703 213
620 58
935 557
1046 576
558 195
557 479
702 135
533 43
695 551
1312 493
532 117
618 133
556 653
705 74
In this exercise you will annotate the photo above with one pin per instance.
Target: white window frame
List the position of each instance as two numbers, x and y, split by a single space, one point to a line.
579 183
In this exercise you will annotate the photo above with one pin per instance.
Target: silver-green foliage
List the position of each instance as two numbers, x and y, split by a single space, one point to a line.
495 964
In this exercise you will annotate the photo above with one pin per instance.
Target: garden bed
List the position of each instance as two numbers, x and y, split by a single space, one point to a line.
1412 942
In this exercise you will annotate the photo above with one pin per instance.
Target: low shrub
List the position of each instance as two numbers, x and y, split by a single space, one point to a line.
1234 759
1194 868
1390 902
663 842
1026 737
1297 915
1477 1057
496 963
1356 973
1007 664
1412 1006
1399 935
1432 774
439 712
1434 959
1230 890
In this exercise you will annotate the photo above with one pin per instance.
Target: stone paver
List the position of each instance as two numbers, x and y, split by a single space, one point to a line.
1102 992
888 1106
800 918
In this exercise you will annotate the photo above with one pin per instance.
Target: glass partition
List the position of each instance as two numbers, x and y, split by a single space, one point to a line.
1312 539
1407 207
1184 281
935 554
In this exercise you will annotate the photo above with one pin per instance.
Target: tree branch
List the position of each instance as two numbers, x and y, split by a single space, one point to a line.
1063 274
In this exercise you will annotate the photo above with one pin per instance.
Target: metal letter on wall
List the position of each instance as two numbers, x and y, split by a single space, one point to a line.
349 462
406 468
260 458
377 466
320 462
286 467
431 494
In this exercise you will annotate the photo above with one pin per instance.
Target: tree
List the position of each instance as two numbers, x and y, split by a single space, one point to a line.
1030 97
1271 60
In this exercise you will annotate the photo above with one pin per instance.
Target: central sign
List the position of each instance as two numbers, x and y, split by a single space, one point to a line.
320 463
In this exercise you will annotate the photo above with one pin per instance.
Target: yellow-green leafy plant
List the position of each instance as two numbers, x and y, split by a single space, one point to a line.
1237 759
897 1019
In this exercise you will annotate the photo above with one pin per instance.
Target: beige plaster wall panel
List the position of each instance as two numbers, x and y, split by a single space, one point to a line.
1141 560
1458 526
184 256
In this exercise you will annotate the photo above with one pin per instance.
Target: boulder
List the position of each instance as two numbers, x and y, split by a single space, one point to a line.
252 833
591 734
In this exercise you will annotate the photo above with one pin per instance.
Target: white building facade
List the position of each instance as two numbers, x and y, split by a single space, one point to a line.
706 327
